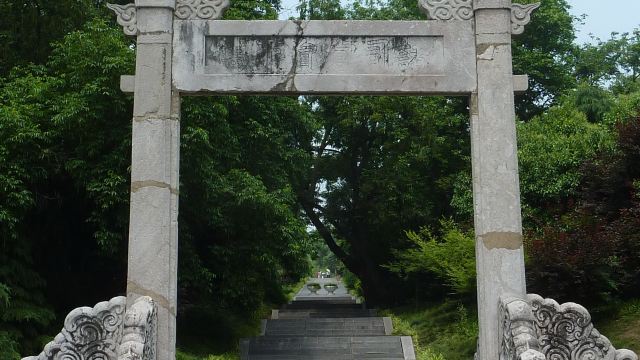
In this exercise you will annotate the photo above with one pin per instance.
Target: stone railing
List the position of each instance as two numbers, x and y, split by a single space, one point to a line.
106 332
538 329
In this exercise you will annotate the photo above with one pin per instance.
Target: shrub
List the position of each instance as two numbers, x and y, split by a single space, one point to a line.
450 257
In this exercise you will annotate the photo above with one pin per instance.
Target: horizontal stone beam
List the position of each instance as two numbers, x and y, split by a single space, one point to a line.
520 83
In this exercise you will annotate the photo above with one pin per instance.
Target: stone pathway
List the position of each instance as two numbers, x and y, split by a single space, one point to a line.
326 326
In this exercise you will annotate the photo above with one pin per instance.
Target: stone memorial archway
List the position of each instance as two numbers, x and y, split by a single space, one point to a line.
183 48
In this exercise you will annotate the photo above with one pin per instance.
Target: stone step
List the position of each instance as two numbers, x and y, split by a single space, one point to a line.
322 313
337 298
329 348
365 326
323 304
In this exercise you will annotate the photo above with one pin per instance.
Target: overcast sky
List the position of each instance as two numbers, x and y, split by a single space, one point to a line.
603 16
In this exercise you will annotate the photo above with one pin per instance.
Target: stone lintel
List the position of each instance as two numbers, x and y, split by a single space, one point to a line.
171 4
491 4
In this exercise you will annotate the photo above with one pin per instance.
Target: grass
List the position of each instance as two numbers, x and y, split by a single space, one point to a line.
445 331
448 331
622 326
186 356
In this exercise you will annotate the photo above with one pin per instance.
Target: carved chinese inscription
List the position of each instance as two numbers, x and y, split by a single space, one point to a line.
324 55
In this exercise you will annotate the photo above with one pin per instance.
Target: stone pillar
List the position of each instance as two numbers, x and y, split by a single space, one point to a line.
153 228
496 190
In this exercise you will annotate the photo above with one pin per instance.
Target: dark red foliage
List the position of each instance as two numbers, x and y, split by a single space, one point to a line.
593 251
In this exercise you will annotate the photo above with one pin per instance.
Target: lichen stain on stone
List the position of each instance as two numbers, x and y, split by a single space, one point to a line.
501 240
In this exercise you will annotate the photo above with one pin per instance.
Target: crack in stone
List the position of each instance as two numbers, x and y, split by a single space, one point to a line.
289 84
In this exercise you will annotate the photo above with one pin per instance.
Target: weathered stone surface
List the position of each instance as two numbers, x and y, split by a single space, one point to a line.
106 332
88 333
324 57
521 16
566 332
496 192
139 338
126 17
519 340
365 326
447 9
330 347
201 9
153 224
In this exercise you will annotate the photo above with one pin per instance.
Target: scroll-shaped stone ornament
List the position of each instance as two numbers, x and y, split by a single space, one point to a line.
521 16
518 339
88 333
140 331
126 17
447 9
201 9
565 332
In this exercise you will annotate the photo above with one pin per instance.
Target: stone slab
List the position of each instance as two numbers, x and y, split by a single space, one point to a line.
520 83
324 57
364 326
360 347
321 313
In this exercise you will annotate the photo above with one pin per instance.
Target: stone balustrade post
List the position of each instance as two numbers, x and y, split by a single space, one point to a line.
153 229
496 190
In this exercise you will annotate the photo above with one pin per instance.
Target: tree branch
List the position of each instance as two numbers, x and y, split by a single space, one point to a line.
326 234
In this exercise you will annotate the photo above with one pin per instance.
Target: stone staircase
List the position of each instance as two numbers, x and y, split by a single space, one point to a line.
326 326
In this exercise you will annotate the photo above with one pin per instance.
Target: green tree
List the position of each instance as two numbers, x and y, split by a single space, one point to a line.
552 148
380 165
545 52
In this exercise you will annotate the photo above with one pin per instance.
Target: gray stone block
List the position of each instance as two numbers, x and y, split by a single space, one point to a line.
361 347
326 327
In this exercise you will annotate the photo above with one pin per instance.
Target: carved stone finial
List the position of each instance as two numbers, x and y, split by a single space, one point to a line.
88 333
201 9
447 9
521 16
140 329
518 338
126 17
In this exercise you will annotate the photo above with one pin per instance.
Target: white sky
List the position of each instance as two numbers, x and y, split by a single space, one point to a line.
603 16
606 16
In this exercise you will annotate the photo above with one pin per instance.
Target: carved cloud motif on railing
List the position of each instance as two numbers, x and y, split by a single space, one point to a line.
106 332
447 9
565 332
201 9
88 333
521 16
126 17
